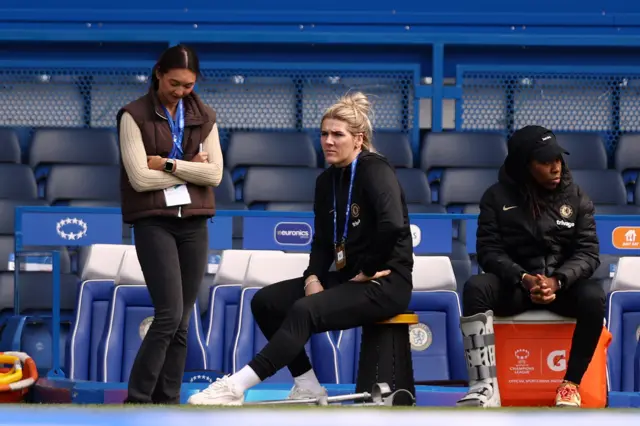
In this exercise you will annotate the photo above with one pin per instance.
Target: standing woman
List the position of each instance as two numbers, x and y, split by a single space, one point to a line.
171 159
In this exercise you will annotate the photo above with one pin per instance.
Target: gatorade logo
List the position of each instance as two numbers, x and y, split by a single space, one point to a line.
557 360
293 233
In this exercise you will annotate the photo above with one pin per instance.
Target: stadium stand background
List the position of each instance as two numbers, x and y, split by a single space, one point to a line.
449 82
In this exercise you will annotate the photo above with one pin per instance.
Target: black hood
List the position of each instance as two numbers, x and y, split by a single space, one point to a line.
525 145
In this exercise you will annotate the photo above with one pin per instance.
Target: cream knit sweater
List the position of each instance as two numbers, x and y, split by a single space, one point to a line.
134 159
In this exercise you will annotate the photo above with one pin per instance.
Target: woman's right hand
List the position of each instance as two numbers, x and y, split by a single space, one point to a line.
313 286
202 157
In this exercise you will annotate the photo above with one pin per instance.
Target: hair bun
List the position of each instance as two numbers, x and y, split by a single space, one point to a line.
358 101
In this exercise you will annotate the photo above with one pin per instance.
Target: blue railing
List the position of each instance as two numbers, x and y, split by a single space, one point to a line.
262 230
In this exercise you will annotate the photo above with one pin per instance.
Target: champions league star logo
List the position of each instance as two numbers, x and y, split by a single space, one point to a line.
66 227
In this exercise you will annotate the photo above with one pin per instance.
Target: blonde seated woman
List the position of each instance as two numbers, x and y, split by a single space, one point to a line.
361 223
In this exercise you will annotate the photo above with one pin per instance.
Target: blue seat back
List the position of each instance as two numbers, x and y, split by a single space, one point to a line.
415 186
130 315
627 157
17 182
80 182
395 147
98 269
460 187
10 151
461 150
294 149
602 186
280 184
222 310
92 311
586 150
623 320
249 340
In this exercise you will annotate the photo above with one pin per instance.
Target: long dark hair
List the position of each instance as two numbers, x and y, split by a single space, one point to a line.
179 56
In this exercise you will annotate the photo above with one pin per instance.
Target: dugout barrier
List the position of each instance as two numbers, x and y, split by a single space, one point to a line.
263 230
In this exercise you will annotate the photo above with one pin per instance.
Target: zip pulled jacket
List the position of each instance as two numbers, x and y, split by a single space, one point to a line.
559 241
378 235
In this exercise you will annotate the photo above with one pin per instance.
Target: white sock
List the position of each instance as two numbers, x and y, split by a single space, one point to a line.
308 381
244 379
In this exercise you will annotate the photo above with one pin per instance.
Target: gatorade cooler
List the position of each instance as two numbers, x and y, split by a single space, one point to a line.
532 350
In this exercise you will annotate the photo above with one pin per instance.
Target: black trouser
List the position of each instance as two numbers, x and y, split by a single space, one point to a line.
288 318
173 256
584 301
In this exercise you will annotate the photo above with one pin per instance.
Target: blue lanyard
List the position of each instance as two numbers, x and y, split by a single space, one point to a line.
335 210
177 130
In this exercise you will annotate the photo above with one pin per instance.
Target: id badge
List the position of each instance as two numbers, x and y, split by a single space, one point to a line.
341 257
177 196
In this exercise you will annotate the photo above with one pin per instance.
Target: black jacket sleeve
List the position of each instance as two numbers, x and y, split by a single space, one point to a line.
382 190
321 255
586 247
492 256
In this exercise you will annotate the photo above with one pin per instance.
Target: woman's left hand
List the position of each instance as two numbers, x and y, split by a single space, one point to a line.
155 162
363 278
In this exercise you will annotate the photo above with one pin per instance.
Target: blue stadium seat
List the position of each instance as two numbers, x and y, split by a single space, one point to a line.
268 269
586 150
222 312
225 197
72 146
395 147
602 186
225 193
130 314
8 213
67 183
17 182
436 342
280 184
627 158
247 149
97 275
461 150
10 151
623 320
416 191
461 187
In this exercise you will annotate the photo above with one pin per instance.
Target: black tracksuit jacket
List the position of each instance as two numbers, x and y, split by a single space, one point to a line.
379 236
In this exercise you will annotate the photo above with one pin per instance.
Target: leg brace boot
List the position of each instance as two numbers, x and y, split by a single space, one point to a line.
480 353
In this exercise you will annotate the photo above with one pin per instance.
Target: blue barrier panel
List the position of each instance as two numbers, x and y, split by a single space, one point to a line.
220 233
64 226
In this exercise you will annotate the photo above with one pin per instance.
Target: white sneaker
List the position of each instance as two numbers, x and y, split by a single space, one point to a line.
301 393
220 392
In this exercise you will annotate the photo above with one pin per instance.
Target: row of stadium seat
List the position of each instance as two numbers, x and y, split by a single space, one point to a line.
289 148
114 301
264 188
117 306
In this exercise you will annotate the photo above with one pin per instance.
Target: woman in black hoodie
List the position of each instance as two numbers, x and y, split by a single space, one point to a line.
361 224
538 247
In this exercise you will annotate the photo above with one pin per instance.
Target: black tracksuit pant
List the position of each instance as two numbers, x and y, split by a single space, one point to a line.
584 301
173 256
287 317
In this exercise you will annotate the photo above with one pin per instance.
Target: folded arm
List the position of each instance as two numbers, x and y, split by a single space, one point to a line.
204 174
134 160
